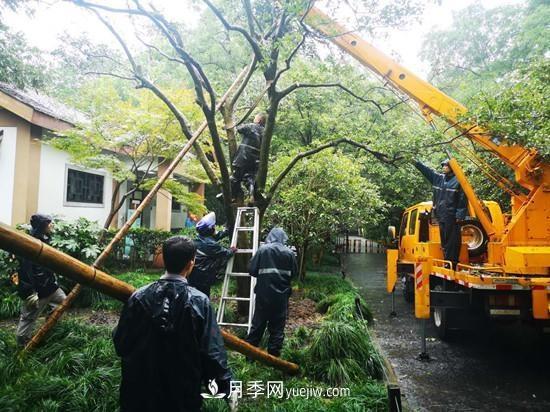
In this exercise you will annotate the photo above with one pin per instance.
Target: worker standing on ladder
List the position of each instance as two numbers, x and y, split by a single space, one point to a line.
273 265
211 256
245 164
449 207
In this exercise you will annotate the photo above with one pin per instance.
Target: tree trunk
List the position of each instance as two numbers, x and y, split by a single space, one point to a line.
302 267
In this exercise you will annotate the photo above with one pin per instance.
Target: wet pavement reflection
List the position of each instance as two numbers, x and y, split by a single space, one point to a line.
499 368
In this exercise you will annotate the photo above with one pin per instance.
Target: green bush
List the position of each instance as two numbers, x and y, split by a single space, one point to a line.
345 307
342 353
9 300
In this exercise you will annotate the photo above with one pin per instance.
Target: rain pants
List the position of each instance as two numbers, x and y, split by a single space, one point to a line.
273 265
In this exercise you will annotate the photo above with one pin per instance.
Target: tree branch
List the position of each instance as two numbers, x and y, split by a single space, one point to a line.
249 17
378 155
184 124
255 46
282 94
288 60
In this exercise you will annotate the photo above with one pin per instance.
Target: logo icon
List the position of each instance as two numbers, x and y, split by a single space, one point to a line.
213 388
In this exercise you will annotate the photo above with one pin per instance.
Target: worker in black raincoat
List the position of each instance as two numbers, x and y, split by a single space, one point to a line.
245 163
211 256
37 285
449 207
169 341
274 264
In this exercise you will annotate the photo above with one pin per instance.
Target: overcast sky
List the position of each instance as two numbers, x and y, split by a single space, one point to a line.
51 21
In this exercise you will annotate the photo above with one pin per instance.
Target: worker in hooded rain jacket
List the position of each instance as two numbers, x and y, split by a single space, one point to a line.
169 341
245 163
449 207
211 256
274 264
37 285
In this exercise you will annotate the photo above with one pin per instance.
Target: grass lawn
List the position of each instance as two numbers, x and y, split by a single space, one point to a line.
78 370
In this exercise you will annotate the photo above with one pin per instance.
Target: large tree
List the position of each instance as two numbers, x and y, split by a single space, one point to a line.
273 35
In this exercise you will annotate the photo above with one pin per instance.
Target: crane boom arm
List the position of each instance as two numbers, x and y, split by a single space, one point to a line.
429 98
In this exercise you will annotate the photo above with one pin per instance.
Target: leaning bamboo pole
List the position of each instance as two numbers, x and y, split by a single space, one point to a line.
58 312
31 248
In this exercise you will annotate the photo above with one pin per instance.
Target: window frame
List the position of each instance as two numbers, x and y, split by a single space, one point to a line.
83 170
412 222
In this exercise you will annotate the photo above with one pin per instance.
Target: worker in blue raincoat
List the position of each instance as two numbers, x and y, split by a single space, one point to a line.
274 264
449 207
211 256
169 341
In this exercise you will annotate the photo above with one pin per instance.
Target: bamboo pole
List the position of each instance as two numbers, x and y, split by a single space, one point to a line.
33 249
59 310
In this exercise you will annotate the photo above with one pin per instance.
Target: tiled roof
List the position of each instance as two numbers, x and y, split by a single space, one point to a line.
44 104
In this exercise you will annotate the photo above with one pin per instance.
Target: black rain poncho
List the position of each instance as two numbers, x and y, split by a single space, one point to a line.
449 207
248 152
449 202
273 265
33 277
210 259
170 344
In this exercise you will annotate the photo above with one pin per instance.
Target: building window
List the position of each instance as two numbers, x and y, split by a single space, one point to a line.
176 207
83 187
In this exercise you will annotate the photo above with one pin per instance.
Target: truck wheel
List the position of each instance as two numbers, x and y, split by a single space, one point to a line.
440 318
475 236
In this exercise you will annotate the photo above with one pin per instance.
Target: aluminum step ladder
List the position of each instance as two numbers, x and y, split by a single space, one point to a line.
246 214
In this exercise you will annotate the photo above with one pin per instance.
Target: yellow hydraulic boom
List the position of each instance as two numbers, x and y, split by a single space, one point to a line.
523 245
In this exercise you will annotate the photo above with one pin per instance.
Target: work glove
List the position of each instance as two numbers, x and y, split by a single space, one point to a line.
233 249
32 301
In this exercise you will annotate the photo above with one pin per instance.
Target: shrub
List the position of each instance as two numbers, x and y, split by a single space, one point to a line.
346 306
9 300
341 353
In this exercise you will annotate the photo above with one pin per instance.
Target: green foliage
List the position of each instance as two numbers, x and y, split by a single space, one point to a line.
520 110
343 307
343 353
77 238
20 64
9 299
193 202
130 131
320 197
145 243
484 44
77 370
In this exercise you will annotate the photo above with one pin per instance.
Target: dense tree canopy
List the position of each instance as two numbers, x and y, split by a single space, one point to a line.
492 60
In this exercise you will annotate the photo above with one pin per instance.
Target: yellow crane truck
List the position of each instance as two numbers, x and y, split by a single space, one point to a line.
504 267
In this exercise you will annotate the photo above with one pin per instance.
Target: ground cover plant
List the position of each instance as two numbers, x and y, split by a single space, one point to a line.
77 368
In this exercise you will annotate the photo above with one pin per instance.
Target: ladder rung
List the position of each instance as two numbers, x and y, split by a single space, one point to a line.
245 228
245 251
239 274
245 325
235 298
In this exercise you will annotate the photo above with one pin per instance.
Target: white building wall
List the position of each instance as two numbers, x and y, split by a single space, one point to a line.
7 172
52 185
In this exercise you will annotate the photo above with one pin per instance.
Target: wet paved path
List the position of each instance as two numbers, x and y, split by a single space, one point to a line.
497 369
